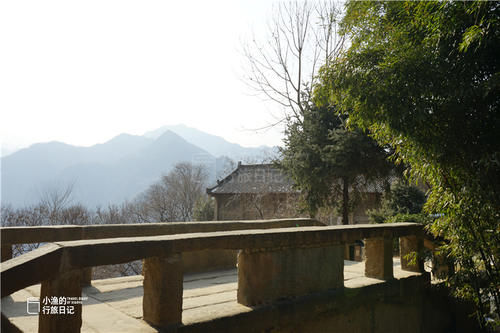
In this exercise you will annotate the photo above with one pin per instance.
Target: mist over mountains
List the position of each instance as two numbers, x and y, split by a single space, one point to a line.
118 169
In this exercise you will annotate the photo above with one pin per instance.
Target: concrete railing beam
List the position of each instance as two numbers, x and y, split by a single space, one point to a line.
45 262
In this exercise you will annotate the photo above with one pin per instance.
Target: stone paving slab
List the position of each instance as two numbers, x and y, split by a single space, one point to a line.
14 307
97 316
202 291
115 305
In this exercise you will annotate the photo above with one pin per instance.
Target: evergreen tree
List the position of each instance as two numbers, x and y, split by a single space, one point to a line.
424 77
327 161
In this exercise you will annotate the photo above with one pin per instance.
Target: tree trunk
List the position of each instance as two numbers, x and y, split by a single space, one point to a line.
345 201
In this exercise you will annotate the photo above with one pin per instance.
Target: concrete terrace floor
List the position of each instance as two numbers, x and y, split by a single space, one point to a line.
115 305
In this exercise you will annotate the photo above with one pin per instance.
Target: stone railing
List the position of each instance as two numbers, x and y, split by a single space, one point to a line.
272 264
193 262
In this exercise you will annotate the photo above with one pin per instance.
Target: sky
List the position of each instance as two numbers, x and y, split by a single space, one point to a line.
82 72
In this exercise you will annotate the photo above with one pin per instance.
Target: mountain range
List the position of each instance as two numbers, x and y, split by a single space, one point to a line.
118 169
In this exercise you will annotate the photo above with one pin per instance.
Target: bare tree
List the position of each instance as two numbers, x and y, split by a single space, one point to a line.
76 214
157 204
136 211
302 37
173 197
114 214
27 216
186 184
54 199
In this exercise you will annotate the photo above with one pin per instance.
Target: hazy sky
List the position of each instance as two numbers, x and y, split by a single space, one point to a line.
82 72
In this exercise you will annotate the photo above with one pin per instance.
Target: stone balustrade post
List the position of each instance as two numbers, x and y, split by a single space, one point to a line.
6 252
60 307
378 253
162 300
265 275
411 248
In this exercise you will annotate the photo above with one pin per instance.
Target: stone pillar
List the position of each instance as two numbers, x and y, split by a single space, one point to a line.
378 262
162 301
358 253
265 275
6 252
410 249
51 318
86 276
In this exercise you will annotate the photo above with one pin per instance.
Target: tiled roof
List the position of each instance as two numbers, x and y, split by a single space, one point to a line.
254 178
266 178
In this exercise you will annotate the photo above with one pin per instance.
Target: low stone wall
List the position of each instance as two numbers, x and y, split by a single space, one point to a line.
192 262
408 305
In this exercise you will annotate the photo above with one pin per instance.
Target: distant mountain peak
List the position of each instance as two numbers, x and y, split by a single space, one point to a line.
213 144
118 169
170 137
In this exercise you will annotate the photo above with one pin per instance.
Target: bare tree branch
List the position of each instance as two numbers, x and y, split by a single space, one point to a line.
302 38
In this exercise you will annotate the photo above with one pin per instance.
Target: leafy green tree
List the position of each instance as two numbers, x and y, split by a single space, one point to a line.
406 199
403 203
424 77
326 160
